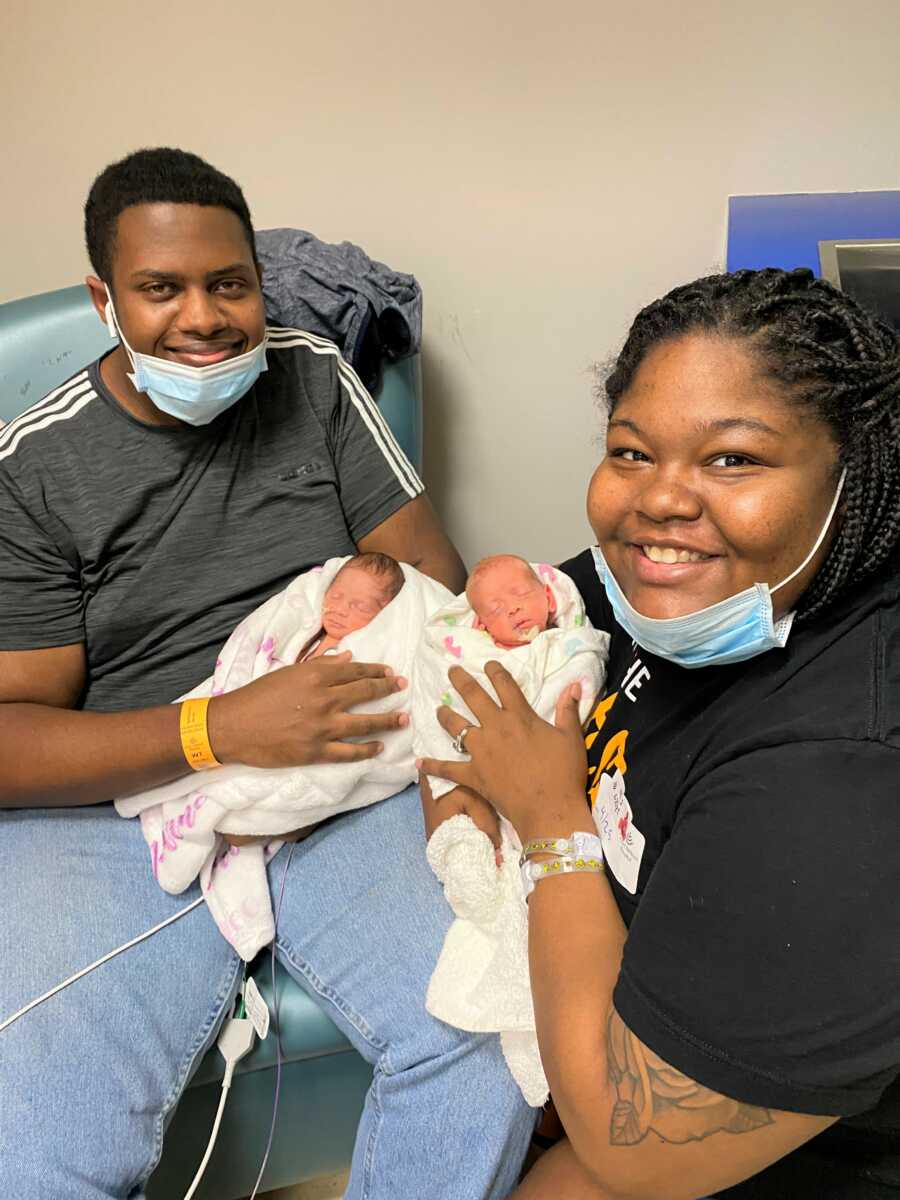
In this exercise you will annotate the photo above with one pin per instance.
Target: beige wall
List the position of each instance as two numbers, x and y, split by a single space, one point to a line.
543 168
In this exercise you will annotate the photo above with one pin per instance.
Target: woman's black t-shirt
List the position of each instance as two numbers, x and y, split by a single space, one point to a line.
751 818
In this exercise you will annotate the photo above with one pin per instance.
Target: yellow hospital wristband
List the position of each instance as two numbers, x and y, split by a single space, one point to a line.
194 735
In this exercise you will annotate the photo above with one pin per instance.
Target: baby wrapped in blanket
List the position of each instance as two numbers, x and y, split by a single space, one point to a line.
531 619
368 604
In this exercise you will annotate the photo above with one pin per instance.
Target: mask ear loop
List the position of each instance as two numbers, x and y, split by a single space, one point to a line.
819 539
109 314
115 331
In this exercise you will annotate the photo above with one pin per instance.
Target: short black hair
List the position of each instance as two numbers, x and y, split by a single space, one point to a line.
831 356
157 176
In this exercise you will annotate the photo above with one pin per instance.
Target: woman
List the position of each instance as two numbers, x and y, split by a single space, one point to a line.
711 1005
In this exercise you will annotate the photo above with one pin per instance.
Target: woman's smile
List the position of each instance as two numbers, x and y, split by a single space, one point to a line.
668 564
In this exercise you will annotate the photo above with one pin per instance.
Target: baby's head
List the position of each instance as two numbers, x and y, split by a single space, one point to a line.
509 600
363 586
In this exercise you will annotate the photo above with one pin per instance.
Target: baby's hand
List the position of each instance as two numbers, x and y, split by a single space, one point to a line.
460 801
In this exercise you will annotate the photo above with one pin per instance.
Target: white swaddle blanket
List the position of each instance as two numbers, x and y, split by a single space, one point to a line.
182 821
481 980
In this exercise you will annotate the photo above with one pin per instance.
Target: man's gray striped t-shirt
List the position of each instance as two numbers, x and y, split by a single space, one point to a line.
150 543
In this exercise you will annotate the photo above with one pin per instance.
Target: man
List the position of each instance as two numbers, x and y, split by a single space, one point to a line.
144 510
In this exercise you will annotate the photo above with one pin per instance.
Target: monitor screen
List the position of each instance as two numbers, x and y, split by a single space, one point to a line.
868 269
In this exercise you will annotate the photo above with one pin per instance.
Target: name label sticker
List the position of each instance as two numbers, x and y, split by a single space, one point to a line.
257 1009
623 842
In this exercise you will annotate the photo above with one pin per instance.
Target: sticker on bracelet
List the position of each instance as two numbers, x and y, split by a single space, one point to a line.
623 842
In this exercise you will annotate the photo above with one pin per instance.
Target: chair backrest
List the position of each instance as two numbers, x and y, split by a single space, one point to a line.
46 338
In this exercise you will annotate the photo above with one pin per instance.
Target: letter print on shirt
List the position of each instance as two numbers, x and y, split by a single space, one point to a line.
636 675
623 842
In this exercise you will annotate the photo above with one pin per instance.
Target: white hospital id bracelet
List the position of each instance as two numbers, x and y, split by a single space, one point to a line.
534 872
577 845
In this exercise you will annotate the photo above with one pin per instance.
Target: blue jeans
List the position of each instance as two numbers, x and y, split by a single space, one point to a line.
88 1079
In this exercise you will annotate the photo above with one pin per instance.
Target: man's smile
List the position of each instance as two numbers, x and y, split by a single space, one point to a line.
204 354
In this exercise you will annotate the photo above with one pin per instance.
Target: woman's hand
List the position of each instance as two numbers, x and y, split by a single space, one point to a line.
532 772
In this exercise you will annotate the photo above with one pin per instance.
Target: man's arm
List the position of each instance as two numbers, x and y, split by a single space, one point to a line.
413 534
53 756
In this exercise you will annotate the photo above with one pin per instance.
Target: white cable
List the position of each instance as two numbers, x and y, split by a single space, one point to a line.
265 1160
212 1141
99 963
235 1040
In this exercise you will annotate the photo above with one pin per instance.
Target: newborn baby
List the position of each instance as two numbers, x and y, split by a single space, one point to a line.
363 586
369 605
509 601
530 618
527 616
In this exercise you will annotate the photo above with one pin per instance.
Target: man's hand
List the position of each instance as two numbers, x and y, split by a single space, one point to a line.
299 715
451 804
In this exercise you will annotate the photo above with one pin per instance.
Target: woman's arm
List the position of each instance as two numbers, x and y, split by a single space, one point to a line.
638 1127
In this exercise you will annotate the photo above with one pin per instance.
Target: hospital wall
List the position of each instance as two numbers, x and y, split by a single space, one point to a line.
544 169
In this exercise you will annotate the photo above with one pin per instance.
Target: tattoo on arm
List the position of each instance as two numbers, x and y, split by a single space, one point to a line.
651 1095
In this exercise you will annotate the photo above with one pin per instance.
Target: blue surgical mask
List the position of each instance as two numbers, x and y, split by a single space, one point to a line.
729 631
196 395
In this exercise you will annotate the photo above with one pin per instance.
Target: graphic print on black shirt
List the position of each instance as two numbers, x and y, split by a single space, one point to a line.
618 781
623 842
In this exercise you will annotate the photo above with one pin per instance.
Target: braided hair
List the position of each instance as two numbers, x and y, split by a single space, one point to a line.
830 355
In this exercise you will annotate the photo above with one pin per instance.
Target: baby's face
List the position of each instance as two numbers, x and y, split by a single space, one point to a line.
511 603
353 599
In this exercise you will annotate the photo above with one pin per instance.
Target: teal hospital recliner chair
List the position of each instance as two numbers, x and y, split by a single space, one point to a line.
43 340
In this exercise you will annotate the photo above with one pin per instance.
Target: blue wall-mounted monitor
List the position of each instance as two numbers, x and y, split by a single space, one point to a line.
850 238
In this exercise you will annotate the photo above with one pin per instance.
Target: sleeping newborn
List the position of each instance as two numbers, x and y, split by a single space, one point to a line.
527 616
509 601
368 604
363 586
530 618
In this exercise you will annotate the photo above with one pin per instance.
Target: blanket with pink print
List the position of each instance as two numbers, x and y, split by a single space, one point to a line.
183 821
